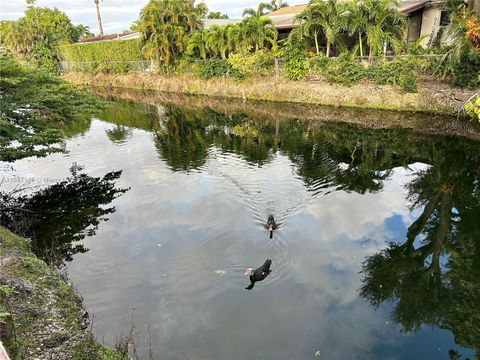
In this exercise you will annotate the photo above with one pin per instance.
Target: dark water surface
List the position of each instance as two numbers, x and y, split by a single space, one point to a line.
377 255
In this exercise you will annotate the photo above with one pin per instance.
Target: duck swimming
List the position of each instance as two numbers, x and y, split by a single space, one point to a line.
259 274
271 225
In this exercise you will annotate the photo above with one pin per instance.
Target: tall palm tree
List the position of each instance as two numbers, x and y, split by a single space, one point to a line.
99 18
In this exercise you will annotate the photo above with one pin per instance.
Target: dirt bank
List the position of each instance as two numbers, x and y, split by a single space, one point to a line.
41 316
432 97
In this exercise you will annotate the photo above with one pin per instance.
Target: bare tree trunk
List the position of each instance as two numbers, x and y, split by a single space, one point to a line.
328 48
99 18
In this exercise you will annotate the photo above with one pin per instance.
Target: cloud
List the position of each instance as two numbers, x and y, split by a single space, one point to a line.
117 15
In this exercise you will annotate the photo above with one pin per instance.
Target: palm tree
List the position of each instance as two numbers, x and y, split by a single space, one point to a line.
311 26
260 31
328 16
165 26
99 18
256 13
236 38
198 42
274 5
358 20
386 25
218 41
216 15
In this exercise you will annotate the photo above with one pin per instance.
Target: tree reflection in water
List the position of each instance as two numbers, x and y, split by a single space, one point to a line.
433 277
58 217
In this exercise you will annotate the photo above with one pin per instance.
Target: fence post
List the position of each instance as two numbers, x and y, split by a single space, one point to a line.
277 68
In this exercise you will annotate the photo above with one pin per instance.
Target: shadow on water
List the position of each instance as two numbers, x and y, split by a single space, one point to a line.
58 217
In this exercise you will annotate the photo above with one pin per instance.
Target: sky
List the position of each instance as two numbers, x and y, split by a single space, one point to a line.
117 15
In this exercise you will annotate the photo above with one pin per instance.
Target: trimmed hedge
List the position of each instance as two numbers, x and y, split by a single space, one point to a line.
107 56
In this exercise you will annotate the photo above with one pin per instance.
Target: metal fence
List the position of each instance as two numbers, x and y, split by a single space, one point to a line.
107 66
273 69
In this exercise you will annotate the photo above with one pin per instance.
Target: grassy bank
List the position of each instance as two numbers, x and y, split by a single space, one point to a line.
41 316
431 97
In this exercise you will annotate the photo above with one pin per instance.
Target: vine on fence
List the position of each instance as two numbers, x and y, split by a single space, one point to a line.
117 56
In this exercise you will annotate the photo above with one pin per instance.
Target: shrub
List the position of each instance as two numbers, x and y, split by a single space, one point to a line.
318 64
344 71
396 72
466 72
118 56
258 63
213 68
295 63
472 108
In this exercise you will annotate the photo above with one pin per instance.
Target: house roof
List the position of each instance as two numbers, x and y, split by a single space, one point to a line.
284 18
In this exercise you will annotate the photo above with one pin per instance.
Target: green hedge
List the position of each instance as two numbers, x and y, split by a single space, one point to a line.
107 56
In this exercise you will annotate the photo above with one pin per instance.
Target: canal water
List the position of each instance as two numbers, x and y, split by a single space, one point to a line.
376 255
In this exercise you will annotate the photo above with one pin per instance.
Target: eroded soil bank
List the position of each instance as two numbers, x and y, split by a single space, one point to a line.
46 317
432 97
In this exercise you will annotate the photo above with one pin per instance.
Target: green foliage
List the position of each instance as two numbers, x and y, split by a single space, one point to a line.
166 26
33 105
396 72
342 70
466 72
35 35
107 56
295 66
213 68
346 71
259 63
472 108
216 15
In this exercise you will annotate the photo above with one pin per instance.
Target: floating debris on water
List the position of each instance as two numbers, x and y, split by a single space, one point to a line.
220 272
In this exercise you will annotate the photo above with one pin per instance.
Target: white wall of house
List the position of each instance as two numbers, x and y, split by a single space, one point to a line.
430 24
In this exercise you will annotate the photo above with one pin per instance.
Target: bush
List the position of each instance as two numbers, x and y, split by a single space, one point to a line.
116 56
466 72
472 108
213 68
344 70
396 72
259 63
295 63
